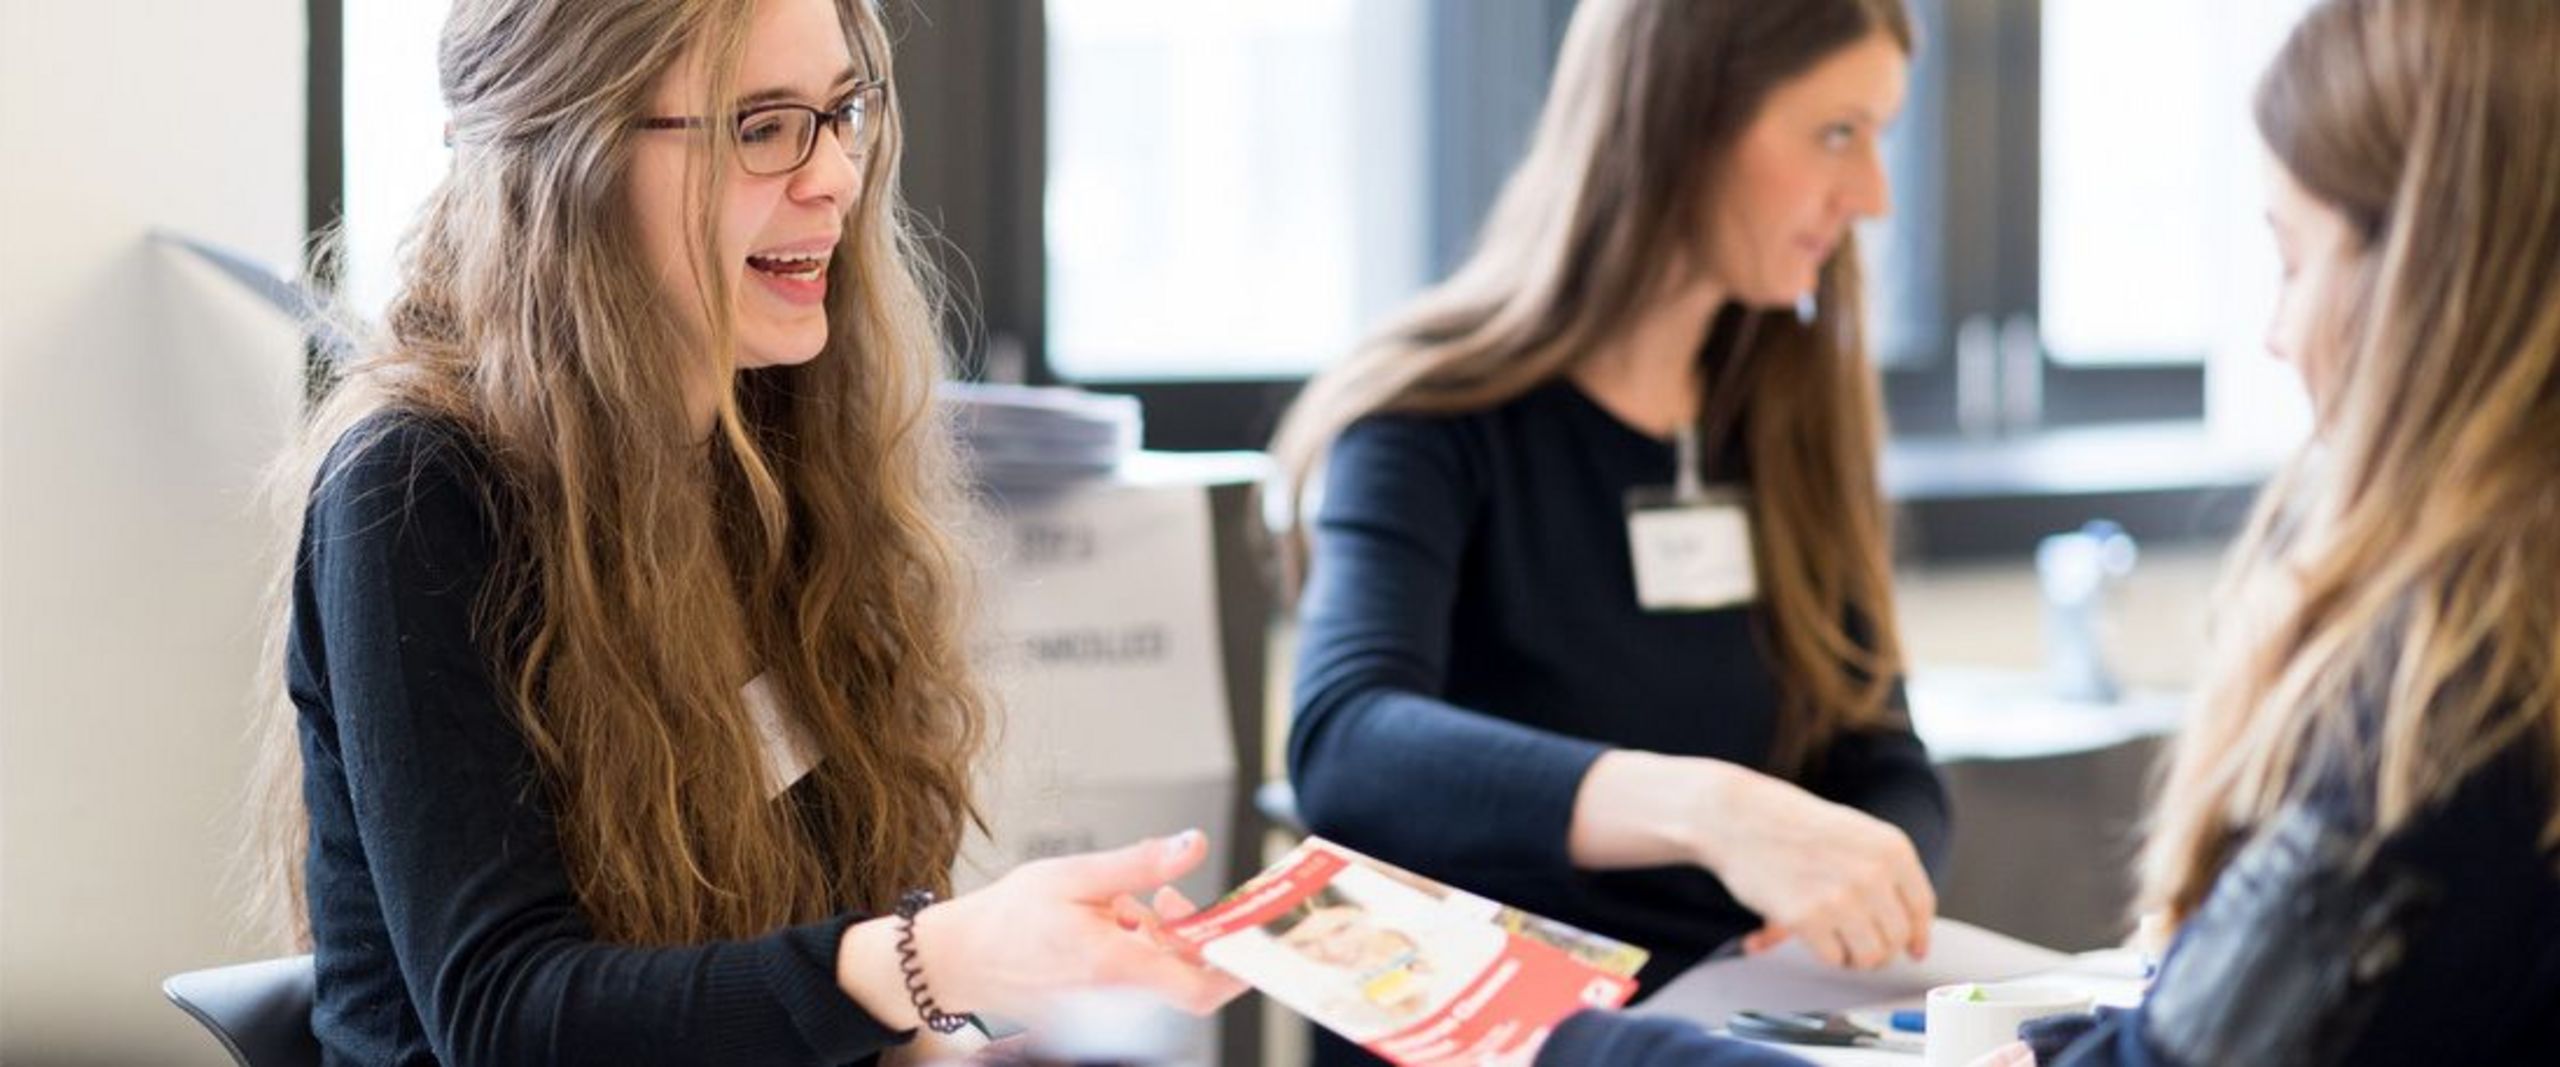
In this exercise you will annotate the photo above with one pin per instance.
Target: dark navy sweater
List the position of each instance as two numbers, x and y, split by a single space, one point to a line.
445 928
1470 642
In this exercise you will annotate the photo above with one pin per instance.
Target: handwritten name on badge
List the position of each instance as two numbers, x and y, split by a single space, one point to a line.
1694 557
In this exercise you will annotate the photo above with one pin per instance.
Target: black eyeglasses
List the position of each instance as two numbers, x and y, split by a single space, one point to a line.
778 138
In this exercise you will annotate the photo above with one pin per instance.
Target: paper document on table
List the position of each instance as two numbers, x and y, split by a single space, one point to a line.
1791 979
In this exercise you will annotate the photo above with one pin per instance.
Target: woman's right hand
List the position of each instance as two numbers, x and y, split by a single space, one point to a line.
1046 927
1848 884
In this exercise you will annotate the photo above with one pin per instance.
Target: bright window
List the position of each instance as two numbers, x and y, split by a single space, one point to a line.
1234 189
394 135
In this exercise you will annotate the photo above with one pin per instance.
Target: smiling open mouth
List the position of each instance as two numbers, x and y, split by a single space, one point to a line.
792 266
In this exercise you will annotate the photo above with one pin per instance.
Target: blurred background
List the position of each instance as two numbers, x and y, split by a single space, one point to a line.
1195 204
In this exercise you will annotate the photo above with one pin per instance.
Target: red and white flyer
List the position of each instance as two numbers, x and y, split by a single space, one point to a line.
1414 971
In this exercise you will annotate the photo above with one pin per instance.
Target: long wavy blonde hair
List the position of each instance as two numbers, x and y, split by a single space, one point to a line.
1649 99
813 539
2409 562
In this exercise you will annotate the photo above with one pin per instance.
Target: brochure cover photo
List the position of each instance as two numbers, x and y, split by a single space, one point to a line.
1415 971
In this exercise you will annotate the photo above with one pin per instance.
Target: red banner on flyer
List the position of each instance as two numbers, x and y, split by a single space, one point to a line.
1415 971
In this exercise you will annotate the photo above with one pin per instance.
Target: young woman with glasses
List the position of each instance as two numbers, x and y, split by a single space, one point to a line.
624 641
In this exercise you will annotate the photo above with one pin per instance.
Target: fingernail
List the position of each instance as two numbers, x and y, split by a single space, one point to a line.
1180 843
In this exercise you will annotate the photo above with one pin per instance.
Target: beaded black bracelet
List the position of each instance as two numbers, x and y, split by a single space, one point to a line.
935 1019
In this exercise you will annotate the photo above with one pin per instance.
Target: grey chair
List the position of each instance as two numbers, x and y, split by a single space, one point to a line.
261 1012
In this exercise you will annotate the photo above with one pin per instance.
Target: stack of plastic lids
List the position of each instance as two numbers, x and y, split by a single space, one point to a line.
1019 435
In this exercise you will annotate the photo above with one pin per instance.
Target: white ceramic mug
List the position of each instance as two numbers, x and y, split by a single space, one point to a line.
1968 1020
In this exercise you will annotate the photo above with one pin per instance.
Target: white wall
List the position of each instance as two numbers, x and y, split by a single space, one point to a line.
139 393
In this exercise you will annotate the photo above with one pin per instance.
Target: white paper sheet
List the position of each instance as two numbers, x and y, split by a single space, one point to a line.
1791 979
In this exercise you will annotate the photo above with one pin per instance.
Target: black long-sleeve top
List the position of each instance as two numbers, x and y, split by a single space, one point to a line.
445 927
2442 946
1470 642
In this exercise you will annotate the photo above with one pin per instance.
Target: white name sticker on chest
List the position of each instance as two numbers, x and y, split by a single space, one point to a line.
1692 558
788 754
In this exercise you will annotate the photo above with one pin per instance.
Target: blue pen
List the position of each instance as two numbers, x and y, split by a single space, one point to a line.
1913 1022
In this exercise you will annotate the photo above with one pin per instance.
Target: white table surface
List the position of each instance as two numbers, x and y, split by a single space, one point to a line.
1791 980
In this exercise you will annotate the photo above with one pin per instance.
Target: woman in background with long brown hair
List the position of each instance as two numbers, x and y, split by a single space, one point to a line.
624 639
1497 686
2358 843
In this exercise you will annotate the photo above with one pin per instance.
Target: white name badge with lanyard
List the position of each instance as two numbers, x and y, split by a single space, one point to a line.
1692 547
